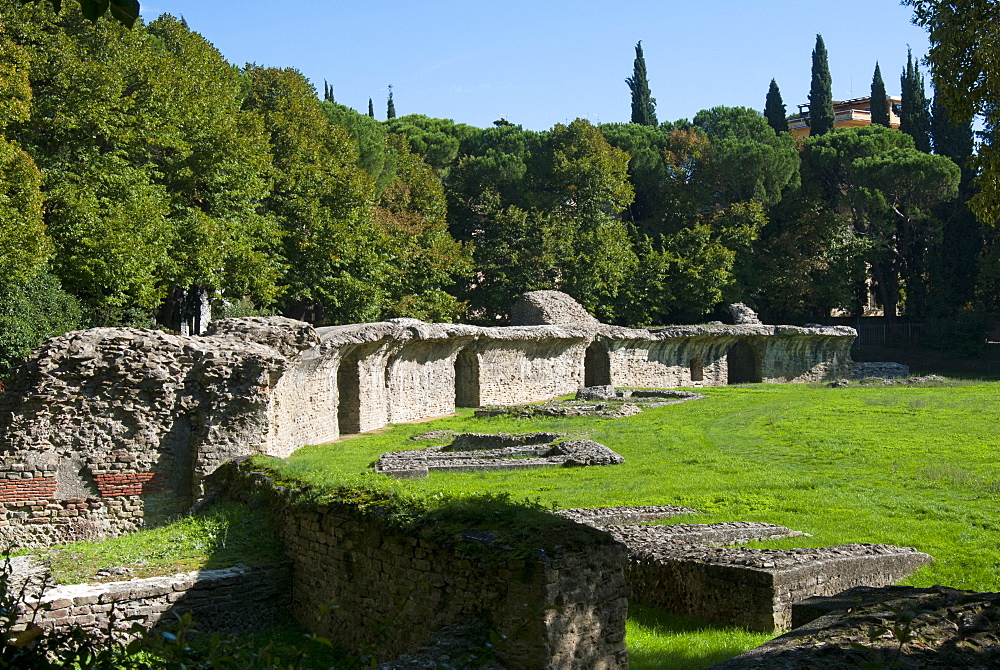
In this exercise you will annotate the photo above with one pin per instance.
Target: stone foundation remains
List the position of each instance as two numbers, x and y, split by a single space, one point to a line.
955 629
232 600
560 608
109 429
471 452
679 568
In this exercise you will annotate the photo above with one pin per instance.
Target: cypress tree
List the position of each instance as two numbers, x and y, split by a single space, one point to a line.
821 115
643 106
390 108
915 117
774 109
879 108
371 108
951 140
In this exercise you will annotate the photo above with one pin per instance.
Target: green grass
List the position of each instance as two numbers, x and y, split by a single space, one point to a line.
219 537
912 466
658 640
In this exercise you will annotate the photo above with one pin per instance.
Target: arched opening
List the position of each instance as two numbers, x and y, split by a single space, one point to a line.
697 370
349 396
467 378
743 364
596 365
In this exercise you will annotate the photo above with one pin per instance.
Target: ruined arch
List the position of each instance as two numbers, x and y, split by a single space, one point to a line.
743 364
467 378
349 395
596 365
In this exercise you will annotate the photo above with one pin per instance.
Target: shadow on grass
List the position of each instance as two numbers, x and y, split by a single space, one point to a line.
657 640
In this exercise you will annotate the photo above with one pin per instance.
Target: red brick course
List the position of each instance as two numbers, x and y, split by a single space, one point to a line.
128 484
19 490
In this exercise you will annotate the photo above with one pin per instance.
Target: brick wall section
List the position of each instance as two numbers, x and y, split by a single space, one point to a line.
129 483
231 600
561 611
21 490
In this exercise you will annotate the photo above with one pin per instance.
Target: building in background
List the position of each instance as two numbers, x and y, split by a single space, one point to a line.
847 114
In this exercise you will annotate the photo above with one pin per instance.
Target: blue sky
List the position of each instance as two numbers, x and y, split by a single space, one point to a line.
543 62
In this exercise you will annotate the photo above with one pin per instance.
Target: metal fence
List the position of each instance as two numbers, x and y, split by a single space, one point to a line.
884 334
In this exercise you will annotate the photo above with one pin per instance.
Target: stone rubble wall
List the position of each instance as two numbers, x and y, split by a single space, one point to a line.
366 586
784 354
756 588
232 600
421 379
524 371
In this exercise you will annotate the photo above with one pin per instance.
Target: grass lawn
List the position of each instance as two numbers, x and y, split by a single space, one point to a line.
219 537
912 466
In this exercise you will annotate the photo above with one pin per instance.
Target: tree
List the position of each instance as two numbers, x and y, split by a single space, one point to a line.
821 115
643 105
333 254
956 257
774 109
327 92
371 109
376 155
879 107
875 178
24 245
965 50
390 109
437 141
914 119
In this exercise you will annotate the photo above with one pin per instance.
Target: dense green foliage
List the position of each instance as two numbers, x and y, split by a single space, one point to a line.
965 50
142 175
821 116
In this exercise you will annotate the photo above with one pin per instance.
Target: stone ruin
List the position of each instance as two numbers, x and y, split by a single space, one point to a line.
952 629
105 430
605 402
694 569
470 452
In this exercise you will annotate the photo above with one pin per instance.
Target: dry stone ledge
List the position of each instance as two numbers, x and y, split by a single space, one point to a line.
481 451
961 629
756 588
598 401
604 516
239 599
561 608
652 537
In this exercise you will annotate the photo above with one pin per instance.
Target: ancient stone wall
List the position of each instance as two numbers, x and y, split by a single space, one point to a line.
421 379
525 370
363 585
719 355
132 421
232 600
